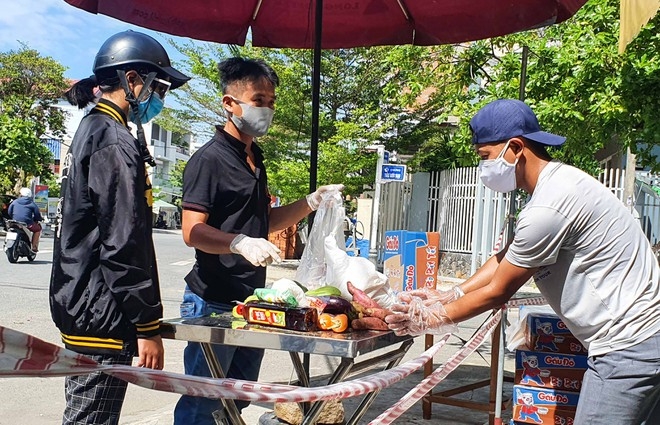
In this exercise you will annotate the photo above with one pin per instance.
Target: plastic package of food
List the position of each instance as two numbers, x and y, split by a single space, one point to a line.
277 315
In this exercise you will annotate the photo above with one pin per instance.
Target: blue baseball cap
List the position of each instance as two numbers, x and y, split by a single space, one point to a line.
506 118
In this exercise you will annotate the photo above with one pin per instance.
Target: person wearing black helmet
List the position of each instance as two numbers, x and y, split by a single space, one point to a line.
104 290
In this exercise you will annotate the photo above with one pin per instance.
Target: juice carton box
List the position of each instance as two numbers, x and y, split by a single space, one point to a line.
558 417
550 370
411 259
543 406
547 332
393 258
421 255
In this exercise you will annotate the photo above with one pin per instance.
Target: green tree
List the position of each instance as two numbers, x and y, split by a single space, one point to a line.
405 97
176 179
576 82
176 176
30 85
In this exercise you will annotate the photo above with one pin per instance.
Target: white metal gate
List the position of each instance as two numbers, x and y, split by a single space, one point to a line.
393 210
470 217
452 198
614 178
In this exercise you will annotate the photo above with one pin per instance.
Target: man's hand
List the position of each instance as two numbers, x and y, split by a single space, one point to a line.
314 199
417 318
151 352
257 251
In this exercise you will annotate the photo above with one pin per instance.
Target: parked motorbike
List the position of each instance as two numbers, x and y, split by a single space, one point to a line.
18 241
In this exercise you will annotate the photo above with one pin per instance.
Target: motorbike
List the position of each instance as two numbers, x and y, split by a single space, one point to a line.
18 241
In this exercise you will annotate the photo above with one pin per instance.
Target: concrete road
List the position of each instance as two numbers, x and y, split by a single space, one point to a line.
40 401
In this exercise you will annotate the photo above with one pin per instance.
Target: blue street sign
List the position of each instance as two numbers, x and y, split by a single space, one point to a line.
392 173
386 157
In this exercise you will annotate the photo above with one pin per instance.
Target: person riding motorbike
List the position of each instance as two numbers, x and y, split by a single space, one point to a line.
24 209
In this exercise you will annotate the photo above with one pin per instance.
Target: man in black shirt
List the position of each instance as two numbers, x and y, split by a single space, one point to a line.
227 218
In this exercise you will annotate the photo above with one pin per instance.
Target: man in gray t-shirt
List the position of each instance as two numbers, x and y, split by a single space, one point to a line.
586 253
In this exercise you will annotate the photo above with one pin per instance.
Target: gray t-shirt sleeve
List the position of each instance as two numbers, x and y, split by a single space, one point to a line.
539 235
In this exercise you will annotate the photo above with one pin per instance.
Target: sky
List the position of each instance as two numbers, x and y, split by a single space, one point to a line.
67 34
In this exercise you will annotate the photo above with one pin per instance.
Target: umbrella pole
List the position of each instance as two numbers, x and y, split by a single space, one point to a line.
316 83
314 146
316 90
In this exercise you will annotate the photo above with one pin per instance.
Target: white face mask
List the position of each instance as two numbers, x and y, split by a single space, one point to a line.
497 174
255 120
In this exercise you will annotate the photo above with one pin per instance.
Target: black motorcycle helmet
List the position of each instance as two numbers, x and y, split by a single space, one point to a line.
134 50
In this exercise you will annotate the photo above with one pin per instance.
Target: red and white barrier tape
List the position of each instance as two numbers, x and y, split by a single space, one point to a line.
519 302
25 355
498 243
431 381
414 395
253 391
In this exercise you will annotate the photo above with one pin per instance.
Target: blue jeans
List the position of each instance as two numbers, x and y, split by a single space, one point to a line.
236 362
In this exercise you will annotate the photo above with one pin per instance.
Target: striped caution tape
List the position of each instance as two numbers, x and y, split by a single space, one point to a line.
500 240
431 381
414 395
519 302
253 391
23 355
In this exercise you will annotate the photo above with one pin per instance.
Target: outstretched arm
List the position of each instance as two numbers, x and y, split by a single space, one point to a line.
506 280
286 216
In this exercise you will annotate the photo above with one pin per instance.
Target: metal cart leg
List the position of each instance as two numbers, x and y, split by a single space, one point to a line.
369 398
302 372
339 374
233 417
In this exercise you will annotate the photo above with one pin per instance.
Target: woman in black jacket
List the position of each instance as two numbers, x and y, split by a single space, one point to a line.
104 292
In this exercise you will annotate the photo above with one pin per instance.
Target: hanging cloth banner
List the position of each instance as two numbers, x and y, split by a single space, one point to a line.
634 15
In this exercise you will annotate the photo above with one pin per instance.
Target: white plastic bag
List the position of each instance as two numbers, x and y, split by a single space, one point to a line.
328 221
362 273
285 284
325 261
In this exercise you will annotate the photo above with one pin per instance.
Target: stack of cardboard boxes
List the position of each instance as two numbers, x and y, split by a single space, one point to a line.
549 373
411 259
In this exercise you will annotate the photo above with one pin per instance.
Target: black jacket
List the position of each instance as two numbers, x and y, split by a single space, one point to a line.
104 290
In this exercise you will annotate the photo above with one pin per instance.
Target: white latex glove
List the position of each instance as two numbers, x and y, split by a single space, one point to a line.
314 199
417 318
257 251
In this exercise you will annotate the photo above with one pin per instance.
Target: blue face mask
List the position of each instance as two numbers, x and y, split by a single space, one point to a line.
147 109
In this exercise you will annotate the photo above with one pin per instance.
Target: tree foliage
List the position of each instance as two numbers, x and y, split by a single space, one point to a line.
418 100
30 85
576 82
